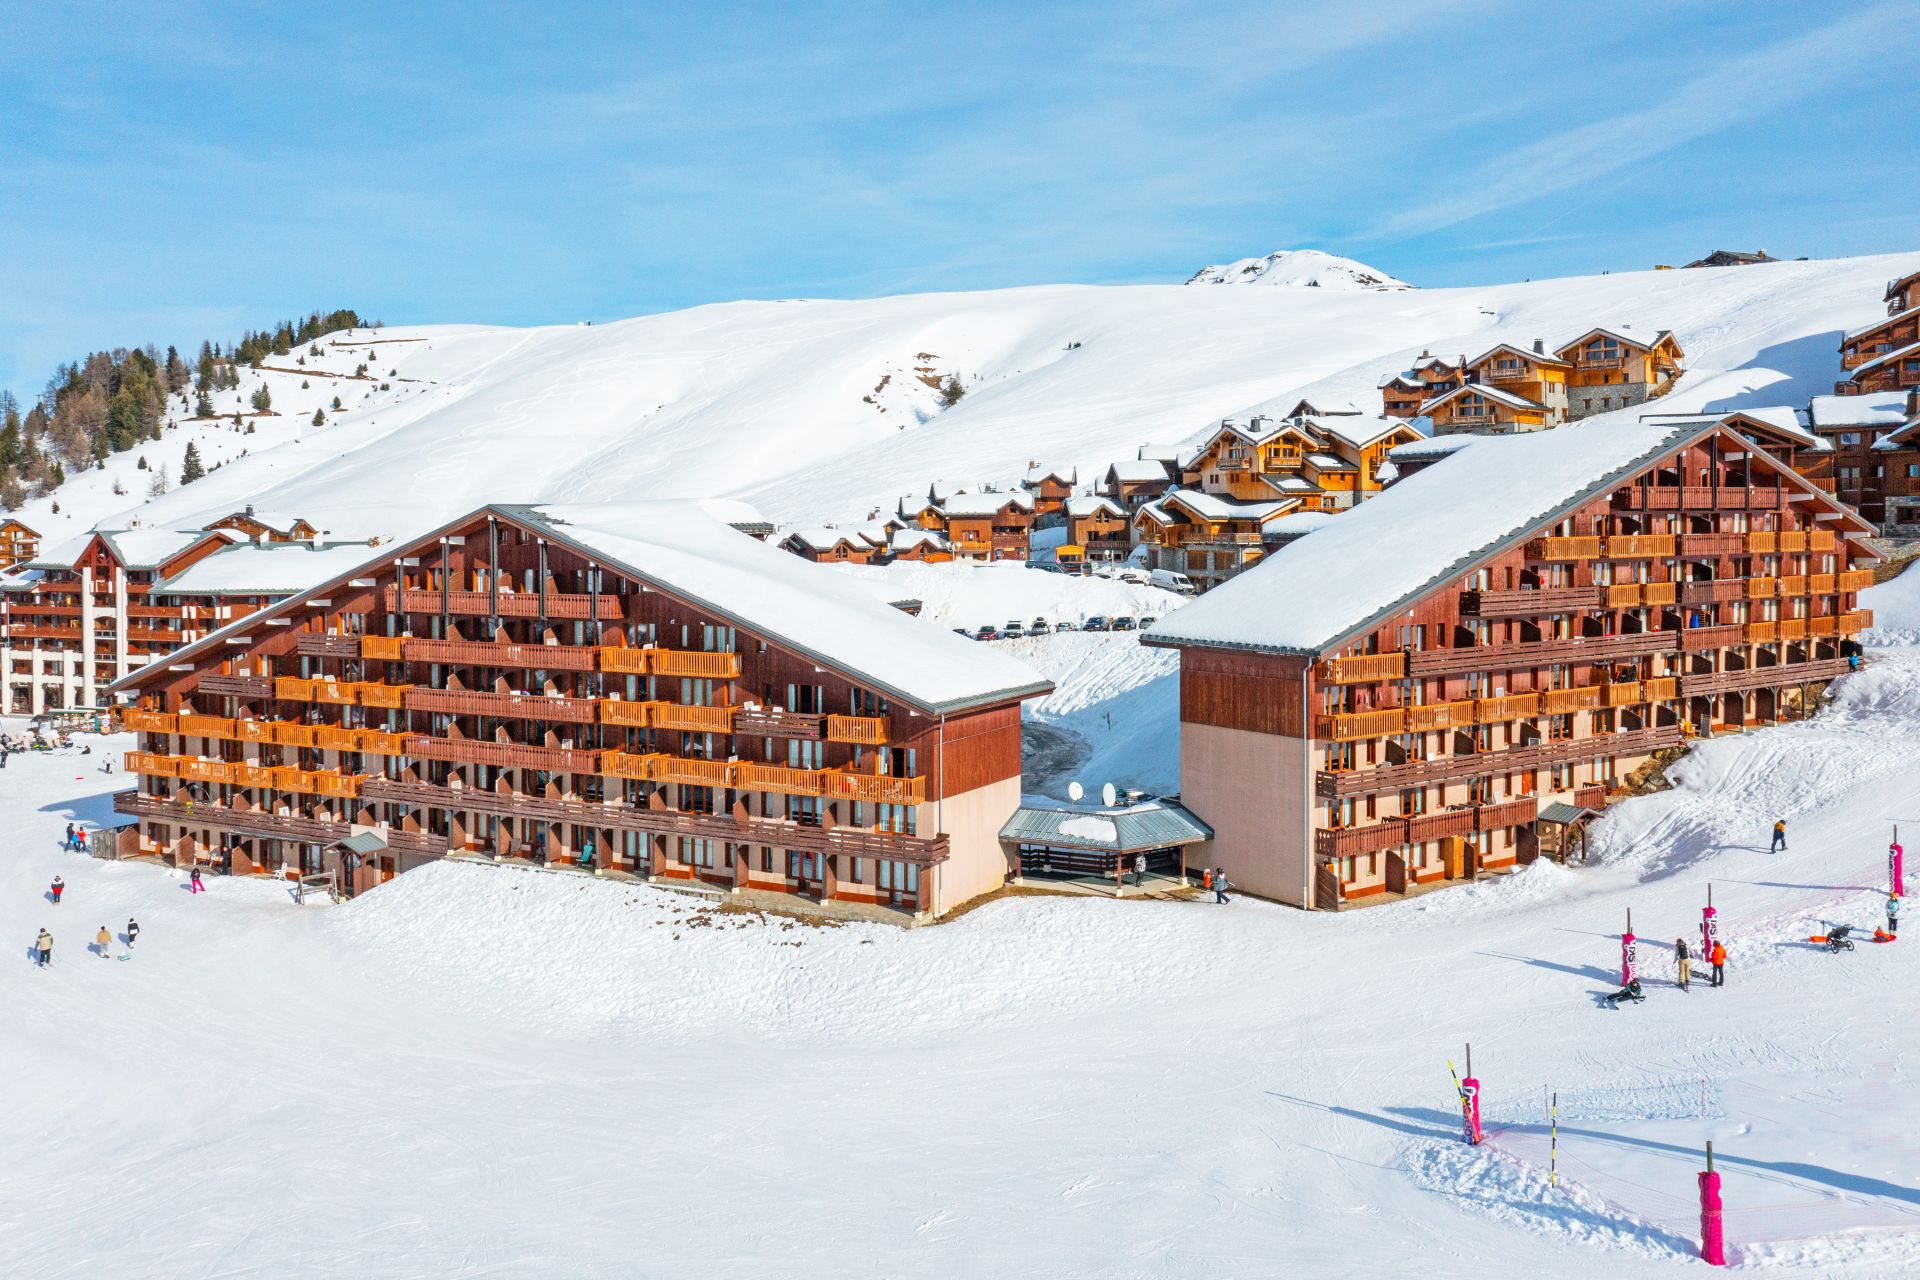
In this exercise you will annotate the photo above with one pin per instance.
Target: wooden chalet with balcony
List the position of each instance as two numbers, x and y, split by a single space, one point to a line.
827 545
1135 481
1529 373
18 544
1050 488
1099 530
1403 394
1883 356
988 525
1478 409
630 690
1611 370
1400 698
1320 464
265 526
1208 538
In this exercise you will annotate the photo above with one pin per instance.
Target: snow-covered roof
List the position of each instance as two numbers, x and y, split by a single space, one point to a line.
1137 471
1876 362
1358 433
1881 323
908 539
681 547
1211 506
1066 475
1091 505
1330 462
1313 595
1408 379
1324 409
1494 394
1429 448
1297 524
986 504
133 548
266 569
1617 336
1782 419
1124 828
1508 348
819 537
273 520
1880 409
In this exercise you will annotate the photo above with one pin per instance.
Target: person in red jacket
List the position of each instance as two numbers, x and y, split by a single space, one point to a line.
59 887
1718 958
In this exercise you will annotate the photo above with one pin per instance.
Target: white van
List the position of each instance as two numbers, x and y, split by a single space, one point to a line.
1172 581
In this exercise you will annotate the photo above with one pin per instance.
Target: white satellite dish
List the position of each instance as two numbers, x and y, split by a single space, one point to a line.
1075 792
1106 795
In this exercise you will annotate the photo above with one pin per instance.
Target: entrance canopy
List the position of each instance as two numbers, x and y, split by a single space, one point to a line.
1127 828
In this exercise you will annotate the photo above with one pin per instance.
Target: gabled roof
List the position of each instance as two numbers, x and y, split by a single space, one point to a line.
1090 505
1863 331
682 549
1525 353
133 548
1358 433
1899 282
265 519
1324 409
909 539
1137 471
265 569
1331 462
1317 594
1494 394
820 538
16 520
1194 504
1876 409
1901 354
1659 337
986 504
1783 422
1039 475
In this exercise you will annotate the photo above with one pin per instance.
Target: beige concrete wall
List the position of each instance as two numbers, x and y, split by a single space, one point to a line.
1252 789
976 861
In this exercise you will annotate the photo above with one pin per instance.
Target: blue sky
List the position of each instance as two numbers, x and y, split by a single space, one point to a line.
174 172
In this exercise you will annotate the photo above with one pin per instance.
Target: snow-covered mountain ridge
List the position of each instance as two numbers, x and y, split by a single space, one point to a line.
1299 269
776 402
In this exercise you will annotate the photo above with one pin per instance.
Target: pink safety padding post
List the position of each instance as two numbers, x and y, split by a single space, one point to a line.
1470 1109
1629 957
1709 932
1713 1245
1896 871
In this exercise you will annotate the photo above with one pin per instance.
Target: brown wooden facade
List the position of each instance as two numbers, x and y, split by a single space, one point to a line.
18 544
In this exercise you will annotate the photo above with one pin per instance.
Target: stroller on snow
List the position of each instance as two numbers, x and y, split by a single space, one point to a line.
1837 939
1629 992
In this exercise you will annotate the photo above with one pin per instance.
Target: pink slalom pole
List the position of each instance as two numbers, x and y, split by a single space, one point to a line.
1629 953
1713 1245
1896 877
1470 1102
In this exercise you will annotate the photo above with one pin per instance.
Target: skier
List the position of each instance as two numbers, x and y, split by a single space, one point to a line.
104 941
59 887
133 931
1139 869
1779 836
1629 992
193 881
1718 958
1683 961
1893 915
45 946
1219 885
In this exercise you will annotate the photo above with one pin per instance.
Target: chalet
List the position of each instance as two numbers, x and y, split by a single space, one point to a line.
1530 374
920 546
1885 355
82 615
1903 293
1871 462
636 690
986 526
264 526
1731 258
1402 394
1134 481
829 546
1206 537
1324 409
18 544
1050 489
1484 410
1317 463
1098 529
1426 690
1610 370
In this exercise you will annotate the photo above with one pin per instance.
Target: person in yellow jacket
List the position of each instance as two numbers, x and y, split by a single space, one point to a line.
104 941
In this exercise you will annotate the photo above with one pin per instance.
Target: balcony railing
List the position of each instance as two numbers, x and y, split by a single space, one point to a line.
1439 715
218 686
383 648
683 662
1355 725
516 706
1712 545
860 730
772 722
692 719
1512 706
509 755
1622 693
1822 540
878 788
629 715
1659 593
1700 639
256 822
138 720
324 644
509 604
1331 785
1365 668
1855 580
1762 543
1762 632
483 653
206 726
1707 683
1556 702
1578 548
1793 541
1714 591
1856 621
1438 662
1526 603
1820 584
1761 588
1635 546
780 779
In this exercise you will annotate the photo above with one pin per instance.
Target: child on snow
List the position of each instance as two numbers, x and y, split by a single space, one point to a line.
1779 836
1893 915
133 931
104 941
1629 992
193 882
58 887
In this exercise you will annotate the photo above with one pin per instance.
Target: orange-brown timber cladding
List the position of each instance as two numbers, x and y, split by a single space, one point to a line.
1551 670
850 809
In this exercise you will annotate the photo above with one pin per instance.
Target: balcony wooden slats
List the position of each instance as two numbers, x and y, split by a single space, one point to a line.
1700 639
1536 755
288 734
1439 715
1511 706
1661 689
1639 546
630 715
383 648
1356 842
693 772
1822 540
1633 644
334 738
1856 621
771 722
293 689
1826 625
620 660
877 788
869 731
1556 702
1793 628
691 719
1761 588
1622 693
339 693
297 781
507 755
206 726
693 664
1717 591
254 730
563 606
1854 580
1353 726
1519 604
1364 668
338 785
152 763
1777 675
628 764
486 653
1577 548
1763 543
780 779
1659 593
510 706
1820 584
1794 586
1440 824
1623 595
138 720
193 770
1711 546
386 696
325 644
1762 632
216 685
381 743
1793 541
252 775
248 821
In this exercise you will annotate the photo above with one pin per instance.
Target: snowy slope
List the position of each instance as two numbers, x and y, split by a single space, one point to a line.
1299 269
476 1072
819 410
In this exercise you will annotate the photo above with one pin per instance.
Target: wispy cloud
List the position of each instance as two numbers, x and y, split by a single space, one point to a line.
1737 91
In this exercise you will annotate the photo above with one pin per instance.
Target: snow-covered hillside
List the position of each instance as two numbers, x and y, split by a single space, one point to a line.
783 403
1299 269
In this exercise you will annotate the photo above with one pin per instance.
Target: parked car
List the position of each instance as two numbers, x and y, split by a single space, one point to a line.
1122 623
963 633
986 633
1039 627
1134 576
1065 626
1172 581
1097 622
1147 621
1045 566
1013 630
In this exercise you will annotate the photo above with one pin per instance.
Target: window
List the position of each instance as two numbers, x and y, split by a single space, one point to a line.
1849 439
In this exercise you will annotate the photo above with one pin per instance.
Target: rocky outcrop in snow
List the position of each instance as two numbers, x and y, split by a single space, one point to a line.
1299 269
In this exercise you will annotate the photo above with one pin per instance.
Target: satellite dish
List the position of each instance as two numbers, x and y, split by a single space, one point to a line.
1075 791
1106 795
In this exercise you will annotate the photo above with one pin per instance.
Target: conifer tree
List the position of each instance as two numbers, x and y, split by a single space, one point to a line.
319 417
190 466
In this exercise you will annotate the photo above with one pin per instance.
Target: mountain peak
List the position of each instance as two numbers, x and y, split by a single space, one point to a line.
1299 269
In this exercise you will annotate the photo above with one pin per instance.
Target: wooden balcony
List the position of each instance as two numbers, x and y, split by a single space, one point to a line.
869 731
877 788
193 770
1822 626
693 664
507 755
1711 546
1856 621
1762 544
485 653
1659 593
1854 580
329 737
1820 584
141 721
1364 668
339 693
1556 702
1506 813
621 660
1355 842
288 734
1457 768
1439 715
1576 649
252 775
1440 824
693 771
1353 726
297 781
1512 706
206 726
325 644
630 715
780 779
1794 586
1762 632
509 706
1823 540
771 722
380 743
254 730
383 648
293 689
1792 628
1716 591
1792 541
1623 595
1580 548
1774 676
1761 588
339 785
1624 693
215 685
152 763
256 822
1520 604
628 764
509 604
1661 689
692 719
1700 639
1639 546
371 693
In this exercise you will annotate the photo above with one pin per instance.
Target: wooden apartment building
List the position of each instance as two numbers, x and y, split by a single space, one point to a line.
1208 538
1050 487
988 525
1099 530
18 544
1885 355
1510 388
1319 464
633 689
1423 691
1612 370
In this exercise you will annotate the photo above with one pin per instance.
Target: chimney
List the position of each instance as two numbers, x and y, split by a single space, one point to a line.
1539 346
249 511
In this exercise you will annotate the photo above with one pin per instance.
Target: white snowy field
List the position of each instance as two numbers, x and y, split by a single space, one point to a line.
476 1072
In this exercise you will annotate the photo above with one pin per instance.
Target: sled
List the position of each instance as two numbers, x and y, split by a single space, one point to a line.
1881 935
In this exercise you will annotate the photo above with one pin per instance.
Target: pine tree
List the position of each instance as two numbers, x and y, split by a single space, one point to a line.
319 418
262 398
190 467
202 407
336 404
